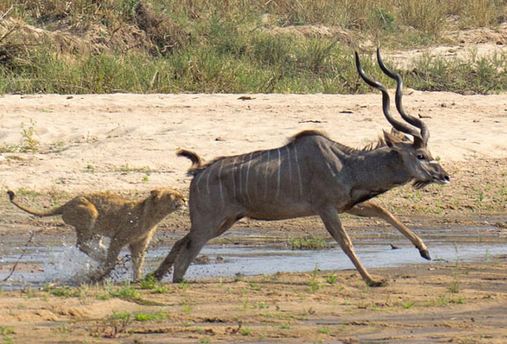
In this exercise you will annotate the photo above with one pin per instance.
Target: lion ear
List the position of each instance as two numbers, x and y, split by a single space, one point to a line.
155 193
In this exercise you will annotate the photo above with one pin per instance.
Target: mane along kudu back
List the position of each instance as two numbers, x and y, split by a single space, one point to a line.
311 175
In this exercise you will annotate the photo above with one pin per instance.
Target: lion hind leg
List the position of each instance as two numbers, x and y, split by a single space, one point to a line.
83 216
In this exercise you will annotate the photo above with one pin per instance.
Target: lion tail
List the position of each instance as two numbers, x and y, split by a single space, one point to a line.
52 212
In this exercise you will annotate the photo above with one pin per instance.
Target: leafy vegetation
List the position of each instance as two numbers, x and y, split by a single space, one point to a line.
28 143
86 46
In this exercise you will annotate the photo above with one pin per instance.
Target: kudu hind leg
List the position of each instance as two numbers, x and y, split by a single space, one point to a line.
335 228
186 255
371 209
197 238
168 262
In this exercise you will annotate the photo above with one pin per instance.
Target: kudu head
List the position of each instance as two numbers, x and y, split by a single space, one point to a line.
415 154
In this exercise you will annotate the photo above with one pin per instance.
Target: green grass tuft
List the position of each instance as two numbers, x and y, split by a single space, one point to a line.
127 292
150 316
308 243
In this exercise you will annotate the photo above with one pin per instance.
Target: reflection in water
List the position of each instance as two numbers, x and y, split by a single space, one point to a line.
262 260
67 264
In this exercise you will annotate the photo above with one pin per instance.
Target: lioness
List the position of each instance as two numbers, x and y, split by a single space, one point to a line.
124 221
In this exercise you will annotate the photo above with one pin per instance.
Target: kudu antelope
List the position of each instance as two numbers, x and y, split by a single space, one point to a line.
311 175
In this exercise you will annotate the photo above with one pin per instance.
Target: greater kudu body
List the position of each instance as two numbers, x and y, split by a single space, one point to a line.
311 175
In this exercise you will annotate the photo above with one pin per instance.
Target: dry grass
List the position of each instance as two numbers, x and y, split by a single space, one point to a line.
427 16
211 46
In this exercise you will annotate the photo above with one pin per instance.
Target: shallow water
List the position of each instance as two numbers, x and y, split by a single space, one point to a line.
62 263
261 260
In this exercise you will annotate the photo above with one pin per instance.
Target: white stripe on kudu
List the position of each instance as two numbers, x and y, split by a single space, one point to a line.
199 180
234 176
299 172
240 189
266 176
290 166
220 182
209 169
279 172
330 169
247 174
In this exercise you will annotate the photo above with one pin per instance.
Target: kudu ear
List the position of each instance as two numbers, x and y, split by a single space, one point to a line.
418 143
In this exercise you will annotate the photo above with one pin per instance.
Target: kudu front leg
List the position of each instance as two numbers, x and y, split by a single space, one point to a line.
334 226
371 209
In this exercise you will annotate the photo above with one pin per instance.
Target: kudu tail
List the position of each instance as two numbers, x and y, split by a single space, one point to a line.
194 158
52 212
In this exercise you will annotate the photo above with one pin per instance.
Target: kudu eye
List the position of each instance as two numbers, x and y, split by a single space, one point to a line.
420 156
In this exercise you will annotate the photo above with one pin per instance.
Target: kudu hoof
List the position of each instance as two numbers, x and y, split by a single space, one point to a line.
377 283
425 254
96 279
156 275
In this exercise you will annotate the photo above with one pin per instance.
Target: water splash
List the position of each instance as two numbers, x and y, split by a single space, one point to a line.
68 264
